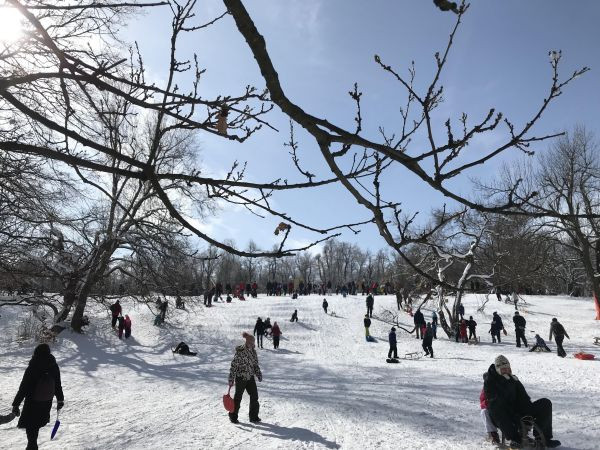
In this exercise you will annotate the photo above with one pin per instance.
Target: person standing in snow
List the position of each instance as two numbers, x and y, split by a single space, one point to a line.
419 321
115 310
508 403
515 300
461 311
276 332
367 323
393 344
559 333
325 305
496 327
259 332
520 324
163 310
40 384
472 325
244 367
540 343
399 298
434 324
370 303
127 327
121 321
428 341
294 316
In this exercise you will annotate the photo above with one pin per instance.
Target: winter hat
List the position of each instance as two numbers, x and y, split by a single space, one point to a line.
393 328
249 339
516 313
501 362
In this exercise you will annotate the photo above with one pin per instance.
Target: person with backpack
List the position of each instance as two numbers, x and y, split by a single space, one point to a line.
244 367
472 325
40 384
496 327
325 305
540 343
370 303
184 349
115 310
393 344
259 332
419 321
559 333
121 327
276 333
294 316
428 340
127 327
520 324
367 323
399 298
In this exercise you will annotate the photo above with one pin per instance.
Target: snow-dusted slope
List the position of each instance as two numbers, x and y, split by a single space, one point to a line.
324 388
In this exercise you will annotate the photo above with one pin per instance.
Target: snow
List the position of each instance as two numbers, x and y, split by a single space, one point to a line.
324 388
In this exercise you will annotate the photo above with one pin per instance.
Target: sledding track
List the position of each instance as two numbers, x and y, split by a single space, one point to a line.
325 388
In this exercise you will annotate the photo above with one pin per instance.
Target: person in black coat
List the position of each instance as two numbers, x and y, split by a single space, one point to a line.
370 303
508 403
428 341
419 320
496 327
40 384
325 305
259 332
559 333
367 323
472 325
393 344
294 316
520 324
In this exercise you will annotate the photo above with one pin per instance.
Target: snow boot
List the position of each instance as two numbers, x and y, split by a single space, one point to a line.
255 420
553 443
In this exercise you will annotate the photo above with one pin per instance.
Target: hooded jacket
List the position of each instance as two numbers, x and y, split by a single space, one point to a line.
244 364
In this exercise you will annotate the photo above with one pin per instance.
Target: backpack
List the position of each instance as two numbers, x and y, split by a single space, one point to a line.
44 388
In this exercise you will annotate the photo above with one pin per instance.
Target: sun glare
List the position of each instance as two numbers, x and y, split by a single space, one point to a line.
10 25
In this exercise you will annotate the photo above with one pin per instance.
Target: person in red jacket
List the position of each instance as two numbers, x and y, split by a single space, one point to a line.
276 332
127 327
490 428
463 331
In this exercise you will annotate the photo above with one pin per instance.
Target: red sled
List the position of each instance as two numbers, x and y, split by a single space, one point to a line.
584 356
228 402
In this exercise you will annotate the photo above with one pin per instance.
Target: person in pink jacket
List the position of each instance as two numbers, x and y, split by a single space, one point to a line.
276 332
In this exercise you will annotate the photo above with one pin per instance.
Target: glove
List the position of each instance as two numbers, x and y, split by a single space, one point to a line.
231 384
16 411
60 405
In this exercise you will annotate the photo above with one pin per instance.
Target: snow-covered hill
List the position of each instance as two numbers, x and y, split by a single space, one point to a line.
324 388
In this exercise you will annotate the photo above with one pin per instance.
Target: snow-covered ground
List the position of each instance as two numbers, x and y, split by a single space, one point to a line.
324 388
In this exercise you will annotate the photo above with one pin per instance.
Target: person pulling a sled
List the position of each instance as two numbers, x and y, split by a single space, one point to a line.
115 310
294 316
509 405
276 332
559 333
244 368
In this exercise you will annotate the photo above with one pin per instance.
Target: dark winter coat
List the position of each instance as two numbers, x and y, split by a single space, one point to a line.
507 401
497 324
115 309
472 325
259 328
519 322
370 300
325 304
428 337
392 338
367 322
557 329
418 318
40 384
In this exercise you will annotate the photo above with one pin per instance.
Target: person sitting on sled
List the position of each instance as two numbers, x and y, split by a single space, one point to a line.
509 404
183 349
540 343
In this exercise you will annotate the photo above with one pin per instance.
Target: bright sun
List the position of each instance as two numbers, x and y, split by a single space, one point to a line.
10 25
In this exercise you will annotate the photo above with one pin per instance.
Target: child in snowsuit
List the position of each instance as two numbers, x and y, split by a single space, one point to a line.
367 323
434 324
428 340
276 332
244 368
496 327
393 344
490 428
127 327
294 316
121 321
325 305
539 343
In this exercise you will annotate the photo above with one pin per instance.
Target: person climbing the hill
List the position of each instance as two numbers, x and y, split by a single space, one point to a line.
559 333
259 331
490 428
325 305
115 310
419 321
244 367
370 302
399 298
520 324
434 324
40 384
127 327
183 349
393 344
540 343
121 327
509 404
367 323
472 325
428 341
496 327
294 316
276 332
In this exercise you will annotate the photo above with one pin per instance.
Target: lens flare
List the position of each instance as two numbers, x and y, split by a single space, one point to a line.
10 25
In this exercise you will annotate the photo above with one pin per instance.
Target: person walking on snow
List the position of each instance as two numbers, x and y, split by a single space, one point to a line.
244 367
294 316
472 325
127 327
461 311
434 324
393 344
559 333
520 324
370 303
428 341
496 327
325 305
121 321
419 321
276 332
259 332
40 384
367 323
115 310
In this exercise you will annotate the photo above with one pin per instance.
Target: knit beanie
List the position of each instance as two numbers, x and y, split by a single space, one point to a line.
501 362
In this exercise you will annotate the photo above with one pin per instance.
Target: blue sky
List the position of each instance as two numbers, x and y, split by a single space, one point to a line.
321 47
